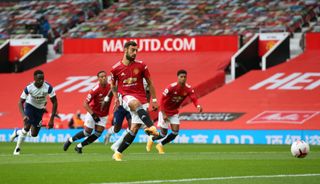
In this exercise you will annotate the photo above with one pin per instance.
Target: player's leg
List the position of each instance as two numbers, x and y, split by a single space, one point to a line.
118 117
172 135
127 140
164 129
116 144
136 107
129 118
151 138
175 126
25 132
87 132
99 128
21 134
93 137
34 122
88 127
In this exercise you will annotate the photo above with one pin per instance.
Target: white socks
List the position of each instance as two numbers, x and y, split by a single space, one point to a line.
116 145
21 136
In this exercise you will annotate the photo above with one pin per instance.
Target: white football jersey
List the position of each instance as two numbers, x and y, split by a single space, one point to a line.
37 97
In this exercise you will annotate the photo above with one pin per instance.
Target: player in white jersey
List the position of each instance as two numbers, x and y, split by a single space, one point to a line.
31 105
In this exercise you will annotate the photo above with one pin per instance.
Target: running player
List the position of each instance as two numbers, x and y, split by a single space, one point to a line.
32 106
172 98
96 116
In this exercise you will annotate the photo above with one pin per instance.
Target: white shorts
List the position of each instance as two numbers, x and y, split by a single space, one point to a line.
135 118
165 124
90 123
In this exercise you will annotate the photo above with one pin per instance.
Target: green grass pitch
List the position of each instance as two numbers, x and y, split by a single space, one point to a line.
182 163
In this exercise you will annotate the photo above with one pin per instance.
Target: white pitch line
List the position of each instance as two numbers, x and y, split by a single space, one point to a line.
216 178
172 154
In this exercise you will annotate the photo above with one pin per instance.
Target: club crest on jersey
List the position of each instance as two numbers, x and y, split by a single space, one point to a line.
135 71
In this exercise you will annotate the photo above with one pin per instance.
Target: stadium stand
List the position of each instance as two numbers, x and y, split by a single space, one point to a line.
22 17
83 19
188 17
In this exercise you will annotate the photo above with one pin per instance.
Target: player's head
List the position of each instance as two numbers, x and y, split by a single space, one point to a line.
38 77
102 77
130 50
182 76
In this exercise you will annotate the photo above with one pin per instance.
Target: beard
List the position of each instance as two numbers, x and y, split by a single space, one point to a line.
130 58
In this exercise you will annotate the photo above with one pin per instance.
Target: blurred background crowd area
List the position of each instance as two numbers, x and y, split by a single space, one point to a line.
150 18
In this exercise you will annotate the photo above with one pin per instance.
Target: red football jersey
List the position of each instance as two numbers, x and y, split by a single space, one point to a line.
130 79
95 97
174 95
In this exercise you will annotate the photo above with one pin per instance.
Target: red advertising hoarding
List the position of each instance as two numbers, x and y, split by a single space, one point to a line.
158 44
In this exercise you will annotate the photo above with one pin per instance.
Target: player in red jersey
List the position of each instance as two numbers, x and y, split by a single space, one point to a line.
172 98
96 116
127 81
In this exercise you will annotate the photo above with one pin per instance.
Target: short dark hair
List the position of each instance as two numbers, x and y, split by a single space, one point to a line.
101 71
35 73
181 72
130 43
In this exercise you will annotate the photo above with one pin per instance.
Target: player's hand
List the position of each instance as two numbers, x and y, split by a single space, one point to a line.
50 124
95 117
199 108
104 102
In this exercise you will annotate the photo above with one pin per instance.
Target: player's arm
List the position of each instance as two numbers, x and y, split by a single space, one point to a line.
54 102
107 100
114 89
146 88
194 99
21 109
109 96
21 102
164 98
152 94
86 106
